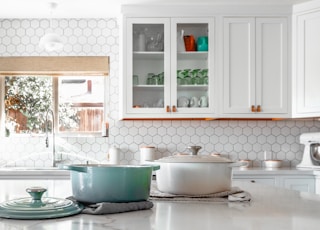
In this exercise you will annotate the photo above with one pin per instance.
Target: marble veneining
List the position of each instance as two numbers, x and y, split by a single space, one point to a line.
270 208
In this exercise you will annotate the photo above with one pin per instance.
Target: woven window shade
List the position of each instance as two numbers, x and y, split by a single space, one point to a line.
61 65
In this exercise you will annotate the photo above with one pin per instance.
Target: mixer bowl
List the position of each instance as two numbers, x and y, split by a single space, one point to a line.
315 152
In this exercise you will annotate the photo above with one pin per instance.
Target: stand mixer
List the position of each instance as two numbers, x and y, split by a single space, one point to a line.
311 153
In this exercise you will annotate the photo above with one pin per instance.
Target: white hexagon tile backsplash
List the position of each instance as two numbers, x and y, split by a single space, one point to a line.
235 139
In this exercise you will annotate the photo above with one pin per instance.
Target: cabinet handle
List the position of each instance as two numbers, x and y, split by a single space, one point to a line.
258 108
168 109
253 181
174 108
253 108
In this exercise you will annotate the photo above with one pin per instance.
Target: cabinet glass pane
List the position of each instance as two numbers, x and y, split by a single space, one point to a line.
148 66
192 65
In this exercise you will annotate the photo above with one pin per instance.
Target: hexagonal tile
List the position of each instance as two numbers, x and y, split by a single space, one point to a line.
275 148
243 156
252 139
195 139
290 139
276 131
218 131
266 131
247 147
204 139
228 147
252 156
128 139
111 23
243 139
152 131
156 139
256 147
271 139
223 139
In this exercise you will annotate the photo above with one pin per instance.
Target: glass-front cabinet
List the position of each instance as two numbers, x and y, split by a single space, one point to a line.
168 69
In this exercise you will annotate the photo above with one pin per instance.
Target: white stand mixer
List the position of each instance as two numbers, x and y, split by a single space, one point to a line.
308 139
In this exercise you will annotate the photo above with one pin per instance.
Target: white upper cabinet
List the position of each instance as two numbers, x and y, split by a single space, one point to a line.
307 97
167 68
255 78
260 66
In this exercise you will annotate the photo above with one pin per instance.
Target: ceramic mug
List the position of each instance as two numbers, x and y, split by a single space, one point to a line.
194 102
203 101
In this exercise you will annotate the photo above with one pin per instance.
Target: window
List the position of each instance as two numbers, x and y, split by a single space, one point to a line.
78 103
81 104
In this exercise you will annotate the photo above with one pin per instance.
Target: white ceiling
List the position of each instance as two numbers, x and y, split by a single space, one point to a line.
101 8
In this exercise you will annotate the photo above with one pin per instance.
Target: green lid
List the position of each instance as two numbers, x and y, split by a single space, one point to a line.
36 208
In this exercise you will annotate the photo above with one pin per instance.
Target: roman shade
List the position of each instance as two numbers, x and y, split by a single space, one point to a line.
55 65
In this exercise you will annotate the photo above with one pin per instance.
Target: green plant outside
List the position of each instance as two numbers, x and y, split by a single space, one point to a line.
32 96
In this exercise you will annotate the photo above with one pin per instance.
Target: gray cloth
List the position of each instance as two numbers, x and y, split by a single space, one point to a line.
110 208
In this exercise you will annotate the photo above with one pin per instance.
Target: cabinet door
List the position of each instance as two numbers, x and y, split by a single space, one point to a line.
308 56
239 65
271 65
300 184
146 72
255 66
192 67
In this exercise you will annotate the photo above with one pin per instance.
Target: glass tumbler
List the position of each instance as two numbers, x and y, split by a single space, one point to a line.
135 80
149 79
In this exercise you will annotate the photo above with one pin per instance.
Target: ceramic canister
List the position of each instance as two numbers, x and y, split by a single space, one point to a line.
147 153
114 155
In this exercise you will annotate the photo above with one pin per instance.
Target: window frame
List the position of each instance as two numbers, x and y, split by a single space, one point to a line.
55 103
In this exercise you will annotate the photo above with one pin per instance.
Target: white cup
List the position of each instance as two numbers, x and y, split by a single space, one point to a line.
147 153
194 102
114 155
203 102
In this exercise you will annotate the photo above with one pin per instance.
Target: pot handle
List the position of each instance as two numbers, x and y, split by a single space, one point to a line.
73 168
154 167
238 164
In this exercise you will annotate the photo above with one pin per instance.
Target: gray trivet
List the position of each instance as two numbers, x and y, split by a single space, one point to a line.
234 194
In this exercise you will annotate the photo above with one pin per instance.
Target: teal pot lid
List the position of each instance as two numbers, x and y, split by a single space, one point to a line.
36 207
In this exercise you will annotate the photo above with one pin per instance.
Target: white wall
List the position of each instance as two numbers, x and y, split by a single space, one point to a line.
237 139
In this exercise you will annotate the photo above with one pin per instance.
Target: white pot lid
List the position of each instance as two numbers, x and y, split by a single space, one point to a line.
36 208
182 158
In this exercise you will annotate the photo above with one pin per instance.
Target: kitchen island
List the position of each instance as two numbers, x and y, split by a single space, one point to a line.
270 208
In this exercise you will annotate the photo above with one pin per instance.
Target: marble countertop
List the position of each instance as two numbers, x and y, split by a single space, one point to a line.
270 208
54 173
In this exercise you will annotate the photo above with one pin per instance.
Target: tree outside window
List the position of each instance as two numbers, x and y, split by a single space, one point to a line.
27 100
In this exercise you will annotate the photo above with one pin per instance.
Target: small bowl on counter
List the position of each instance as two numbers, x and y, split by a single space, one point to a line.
246 165
273 163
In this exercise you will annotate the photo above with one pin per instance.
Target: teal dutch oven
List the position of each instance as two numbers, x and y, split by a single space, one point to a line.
110 183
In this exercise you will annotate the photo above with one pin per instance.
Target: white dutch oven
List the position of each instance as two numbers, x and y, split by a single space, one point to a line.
195 174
